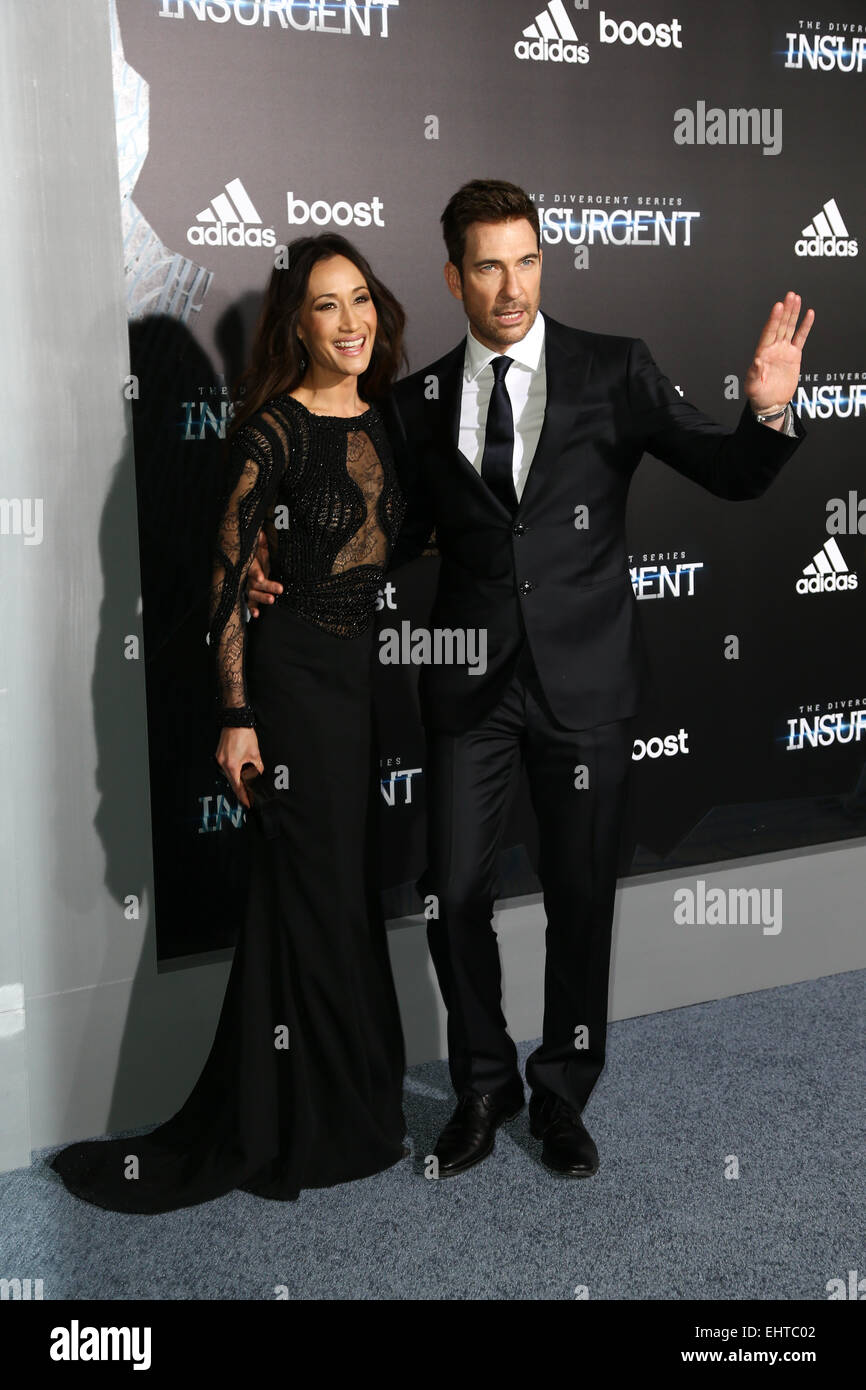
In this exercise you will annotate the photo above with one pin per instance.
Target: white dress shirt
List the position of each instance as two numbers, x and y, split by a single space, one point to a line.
526 384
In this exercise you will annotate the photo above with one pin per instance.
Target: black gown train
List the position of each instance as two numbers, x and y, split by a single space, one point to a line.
303 1084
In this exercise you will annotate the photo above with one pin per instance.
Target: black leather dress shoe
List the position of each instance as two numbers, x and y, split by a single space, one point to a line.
568 1149
470 1134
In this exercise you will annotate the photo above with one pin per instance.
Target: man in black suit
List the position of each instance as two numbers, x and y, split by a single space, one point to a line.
518 448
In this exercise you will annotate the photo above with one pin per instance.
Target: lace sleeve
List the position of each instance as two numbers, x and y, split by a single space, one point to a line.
254 469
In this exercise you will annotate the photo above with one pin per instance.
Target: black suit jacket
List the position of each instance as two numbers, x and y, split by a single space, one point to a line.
566 587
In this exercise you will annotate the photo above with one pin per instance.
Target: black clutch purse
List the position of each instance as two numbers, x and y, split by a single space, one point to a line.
264 802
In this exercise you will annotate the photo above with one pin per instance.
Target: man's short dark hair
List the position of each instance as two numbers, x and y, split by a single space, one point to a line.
484 200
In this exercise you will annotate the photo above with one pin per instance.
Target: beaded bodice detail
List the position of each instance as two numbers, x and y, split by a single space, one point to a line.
325 491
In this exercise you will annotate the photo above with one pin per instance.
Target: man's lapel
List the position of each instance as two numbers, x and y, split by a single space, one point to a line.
450 395
567 362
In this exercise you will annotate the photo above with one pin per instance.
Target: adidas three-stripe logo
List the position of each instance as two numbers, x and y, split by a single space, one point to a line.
829 558
222 209
828 222
826 572
552 23
826 234
230 219
551 38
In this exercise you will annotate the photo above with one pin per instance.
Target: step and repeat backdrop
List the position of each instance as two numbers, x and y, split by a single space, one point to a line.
690 162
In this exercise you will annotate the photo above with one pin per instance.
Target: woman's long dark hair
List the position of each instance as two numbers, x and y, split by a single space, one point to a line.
277 360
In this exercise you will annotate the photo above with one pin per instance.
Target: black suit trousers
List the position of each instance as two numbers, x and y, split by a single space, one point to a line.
578 783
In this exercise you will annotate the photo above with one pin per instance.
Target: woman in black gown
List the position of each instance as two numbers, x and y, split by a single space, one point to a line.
303 1084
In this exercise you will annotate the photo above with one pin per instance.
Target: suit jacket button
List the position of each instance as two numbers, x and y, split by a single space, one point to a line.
526 587
518 528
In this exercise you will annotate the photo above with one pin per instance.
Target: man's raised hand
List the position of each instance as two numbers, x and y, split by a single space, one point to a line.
771 380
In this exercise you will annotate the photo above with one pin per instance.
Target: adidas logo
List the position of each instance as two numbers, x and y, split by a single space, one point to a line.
230 220
551 39
827 573
826 235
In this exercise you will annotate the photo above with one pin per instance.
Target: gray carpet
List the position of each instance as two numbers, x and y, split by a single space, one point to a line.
776 1078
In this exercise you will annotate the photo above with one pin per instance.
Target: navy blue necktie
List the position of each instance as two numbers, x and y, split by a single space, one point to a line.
498 458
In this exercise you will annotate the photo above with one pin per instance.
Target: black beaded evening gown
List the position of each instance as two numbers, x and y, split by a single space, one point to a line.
303 1084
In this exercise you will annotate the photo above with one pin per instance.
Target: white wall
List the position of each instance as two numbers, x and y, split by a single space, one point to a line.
72 708
656 963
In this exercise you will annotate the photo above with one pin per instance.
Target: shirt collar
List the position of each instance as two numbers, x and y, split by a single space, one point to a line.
527 351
